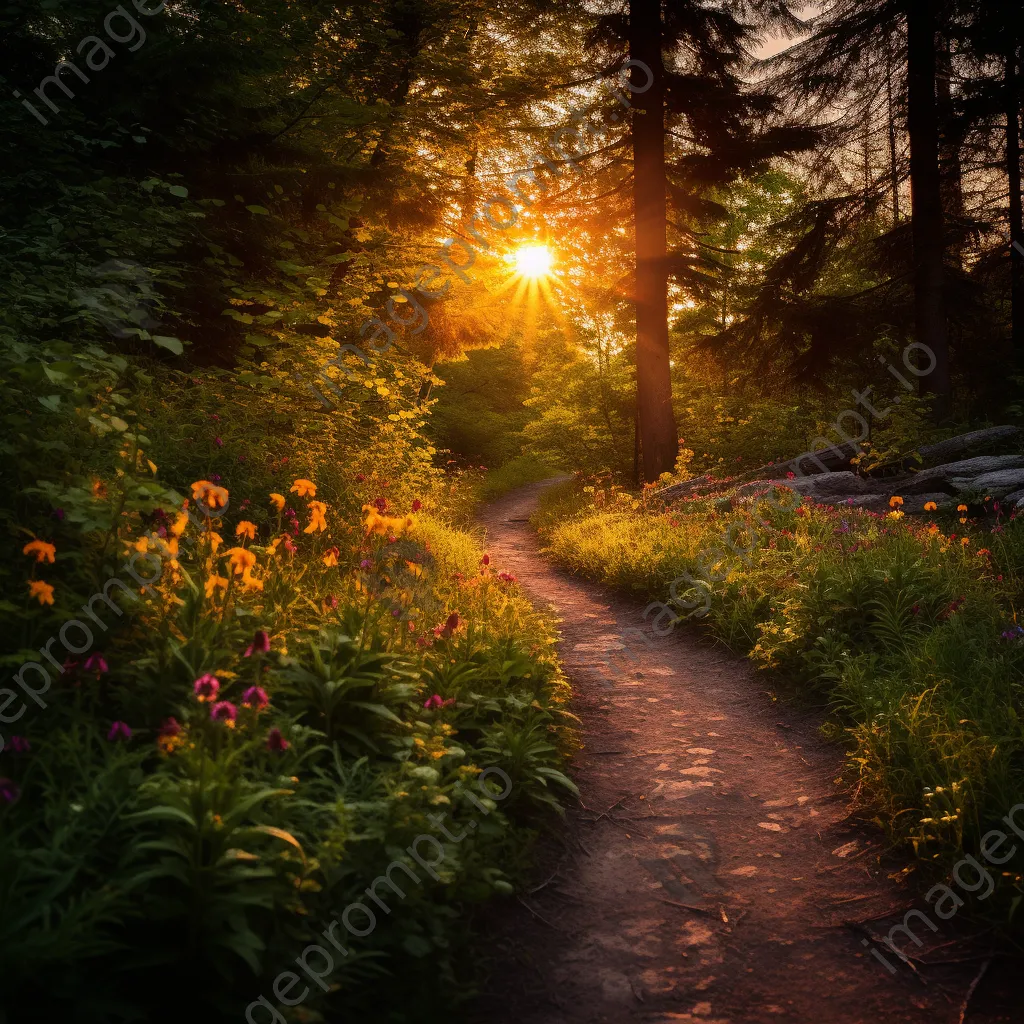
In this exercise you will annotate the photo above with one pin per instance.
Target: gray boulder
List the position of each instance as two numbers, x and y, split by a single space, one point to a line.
929 479
997 484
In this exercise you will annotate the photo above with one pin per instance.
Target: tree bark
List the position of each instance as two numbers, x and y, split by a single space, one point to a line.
926 203
653 373
894 174
1016 213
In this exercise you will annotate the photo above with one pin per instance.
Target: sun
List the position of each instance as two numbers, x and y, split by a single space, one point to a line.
533 261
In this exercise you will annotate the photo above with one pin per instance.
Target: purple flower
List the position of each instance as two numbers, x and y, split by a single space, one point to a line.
206 687
255 697
119 731
215 478
276 743
366 564
9 791
20 745
260 644
224 711
58 514
96 663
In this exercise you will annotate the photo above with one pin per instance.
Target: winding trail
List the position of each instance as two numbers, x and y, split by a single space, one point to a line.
708 874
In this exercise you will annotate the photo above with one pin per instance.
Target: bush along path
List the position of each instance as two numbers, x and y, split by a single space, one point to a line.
711 872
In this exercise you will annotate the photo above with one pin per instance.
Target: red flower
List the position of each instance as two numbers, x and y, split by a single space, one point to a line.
360 478
506 577
486 560
260 644
276 743
381 505
451 624
417 505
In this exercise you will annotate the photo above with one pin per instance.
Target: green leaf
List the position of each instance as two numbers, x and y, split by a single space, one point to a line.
178 190
261 210
172 344
50 402
118 424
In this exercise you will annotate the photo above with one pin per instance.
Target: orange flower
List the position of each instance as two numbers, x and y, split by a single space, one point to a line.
930 506
215 541
981 552
43 551
961 508
965 541
246 529
215 583
278 501
317 511
241 560
331 558
179 524
99 489
895 501
210 494
41 591
304 488
250 582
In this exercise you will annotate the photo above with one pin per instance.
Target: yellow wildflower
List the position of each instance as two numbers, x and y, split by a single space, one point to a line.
331 558
930 506
152 466
141 545
965 541
210 494
895 501
43 551
317 511
215 583
896 515
41 591
278 501
246 529
179 524
241 561
304 488
215 541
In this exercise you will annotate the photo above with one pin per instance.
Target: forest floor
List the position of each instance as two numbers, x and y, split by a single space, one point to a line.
711 872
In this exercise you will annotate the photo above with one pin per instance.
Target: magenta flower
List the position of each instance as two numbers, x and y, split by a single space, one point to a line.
224 711
255 697
218 442
206 687
366 564
9 791
96 663
260 644
435 701
276 743
170 727
119 731
20 745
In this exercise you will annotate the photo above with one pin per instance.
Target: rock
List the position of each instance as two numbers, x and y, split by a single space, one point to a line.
997 484
826 483
943 450
870 502
1015 500
931 479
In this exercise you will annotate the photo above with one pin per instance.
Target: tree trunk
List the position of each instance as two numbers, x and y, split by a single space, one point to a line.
926 203
894 174
653 373
1016 213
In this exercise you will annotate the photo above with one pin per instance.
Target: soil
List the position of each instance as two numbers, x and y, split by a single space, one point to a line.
712 872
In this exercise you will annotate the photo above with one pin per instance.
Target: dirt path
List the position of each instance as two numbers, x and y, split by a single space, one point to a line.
709 873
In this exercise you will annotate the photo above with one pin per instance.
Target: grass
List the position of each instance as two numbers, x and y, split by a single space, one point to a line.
525 469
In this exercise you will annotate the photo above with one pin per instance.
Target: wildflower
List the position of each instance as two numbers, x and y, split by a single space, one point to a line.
360 478
964 541
43 551
224 711
96 663
209 494
241 561
250 582
506 577
260 644
486 560
206 687
218 442
331 558
170 727
276 743
417 505
303 488
255 697
20 745
791 476
381 504
930 506
99 489
9 791
277 500
119 731
961 508
58 514
41 591
317 511
215 583
895 501
982 552
246 529
435 701
451 624
896 515
170 736
329 602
